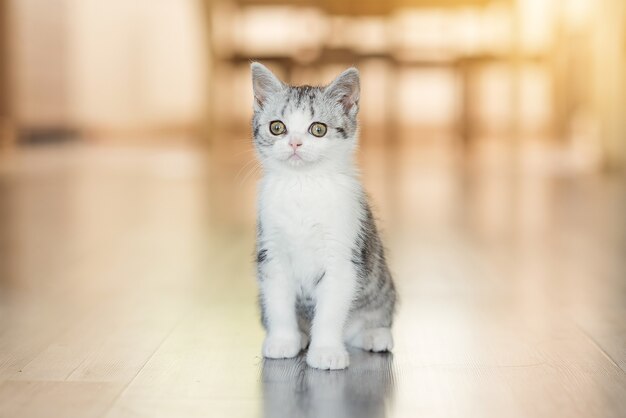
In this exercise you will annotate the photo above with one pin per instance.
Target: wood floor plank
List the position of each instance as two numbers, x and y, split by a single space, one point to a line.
62 399
210 358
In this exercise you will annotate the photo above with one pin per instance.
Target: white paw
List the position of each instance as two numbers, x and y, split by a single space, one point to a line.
374 339
328 358
282 346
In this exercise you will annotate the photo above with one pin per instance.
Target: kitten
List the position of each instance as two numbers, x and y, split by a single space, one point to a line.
321 265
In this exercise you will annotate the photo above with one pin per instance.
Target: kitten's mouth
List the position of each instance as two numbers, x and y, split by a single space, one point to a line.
295 156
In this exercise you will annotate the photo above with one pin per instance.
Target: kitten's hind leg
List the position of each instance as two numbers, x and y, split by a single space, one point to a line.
372 339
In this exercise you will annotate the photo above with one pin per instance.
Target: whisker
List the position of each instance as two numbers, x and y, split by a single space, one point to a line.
255 169
245 167
243 152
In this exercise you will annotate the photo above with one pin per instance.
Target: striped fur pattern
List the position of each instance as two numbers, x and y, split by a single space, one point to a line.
321 266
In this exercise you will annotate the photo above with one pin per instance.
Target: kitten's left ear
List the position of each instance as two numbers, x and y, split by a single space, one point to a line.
346 90
264 84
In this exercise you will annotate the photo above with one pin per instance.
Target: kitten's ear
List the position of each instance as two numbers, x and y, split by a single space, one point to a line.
264 84
346 90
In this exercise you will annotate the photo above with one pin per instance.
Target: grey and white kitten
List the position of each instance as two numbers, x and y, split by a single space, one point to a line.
322 272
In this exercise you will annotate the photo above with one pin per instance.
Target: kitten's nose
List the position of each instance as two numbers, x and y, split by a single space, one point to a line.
295 143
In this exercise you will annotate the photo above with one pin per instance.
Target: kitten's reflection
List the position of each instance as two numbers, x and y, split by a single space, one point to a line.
292 389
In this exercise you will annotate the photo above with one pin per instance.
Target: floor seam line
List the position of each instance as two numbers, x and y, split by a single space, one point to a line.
599 347
119 395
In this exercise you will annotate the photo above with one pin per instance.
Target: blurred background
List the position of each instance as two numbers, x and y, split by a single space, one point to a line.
493 143
521 74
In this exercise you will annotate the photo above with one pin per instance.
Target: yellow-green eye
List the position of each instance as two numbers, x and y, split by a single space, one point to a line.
277 127
317 129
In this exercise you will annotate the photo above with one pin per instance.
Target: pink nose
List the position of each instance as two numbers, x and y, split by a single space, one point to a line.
295 143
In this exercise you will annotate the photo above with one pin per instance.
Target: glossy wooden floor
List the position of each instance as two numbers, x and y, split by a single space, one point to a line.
127 290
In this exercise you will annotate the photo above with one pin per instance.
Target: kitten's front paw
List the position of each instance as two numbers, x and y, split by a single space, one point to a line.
282 347
328 358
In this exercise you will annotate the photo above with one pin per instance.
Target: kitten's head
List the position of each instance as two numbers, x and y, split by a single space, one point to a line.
304 127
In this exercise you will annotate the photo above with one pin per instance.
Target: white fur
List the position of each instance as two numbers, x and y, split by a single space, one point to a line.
310 212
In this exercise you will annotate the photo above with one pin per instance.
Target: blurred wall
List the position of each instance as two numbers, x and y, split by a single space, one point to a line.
161 78
609 81
39 67
112 66
4 83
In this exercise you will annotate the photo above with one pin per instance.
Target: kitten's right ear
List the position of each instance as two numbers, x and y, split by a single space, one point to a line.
264 84
345 89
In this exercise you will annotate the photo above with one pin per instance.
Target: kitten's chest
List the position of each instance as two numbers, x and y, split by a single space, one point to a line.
302 221
299 213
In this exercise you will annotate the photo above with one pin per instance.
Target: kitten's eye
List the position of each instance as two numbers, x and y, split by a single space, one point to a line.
277 127
317 129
